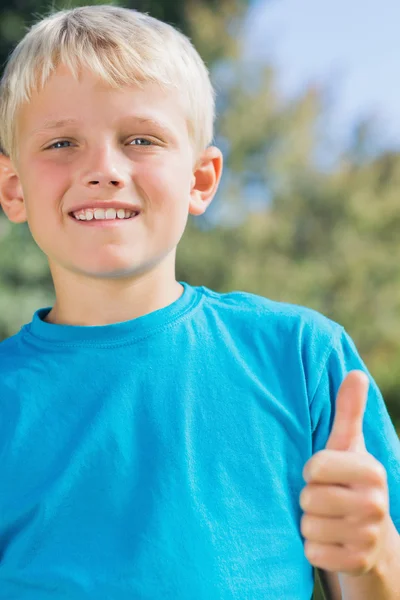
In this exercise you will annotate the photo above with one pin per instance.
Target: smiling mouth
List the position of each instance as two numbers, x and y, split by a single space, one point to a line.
106 223
101 214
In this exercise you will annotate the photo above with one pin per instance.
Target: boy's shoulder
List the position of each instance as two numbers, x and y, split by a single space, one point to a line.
262 311
13 349
10 347
247 311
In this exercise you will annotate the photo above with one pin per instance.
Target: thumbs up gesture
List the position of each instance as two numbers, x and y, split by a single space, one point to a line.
346 500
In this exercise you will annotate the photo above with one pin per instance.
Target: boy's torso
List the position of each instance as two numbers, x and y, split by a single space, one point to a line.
170 467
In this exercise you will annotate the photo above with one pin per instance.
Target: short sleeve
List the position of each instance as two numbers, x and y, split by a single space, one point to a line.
380 435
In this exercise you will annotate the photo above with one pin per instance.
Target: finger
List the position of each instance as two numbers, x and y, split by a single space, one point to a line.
336 558
325 530
340 468
329 501
351 402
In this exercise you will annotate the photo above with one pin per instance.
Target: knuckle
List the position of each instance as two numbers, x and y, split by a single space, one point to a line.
370 535
377 471
381 473
309 551
375 504
304 526
305 498
361 563
318 463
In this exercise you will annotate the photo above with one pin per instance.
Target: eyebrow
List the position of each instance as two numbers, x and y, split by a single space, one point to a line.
54 124
50 124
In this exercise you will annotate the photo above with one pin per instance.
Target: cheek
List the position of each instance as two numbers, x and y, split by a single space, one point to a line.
44 184
43 191
49 174
164 183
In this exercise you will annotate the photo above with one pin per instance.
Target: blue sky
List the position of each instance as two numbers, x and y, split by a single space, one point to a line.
349 47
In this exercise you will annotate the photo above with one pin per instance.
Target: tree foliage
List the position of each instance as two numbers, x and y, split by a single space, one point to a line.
324 238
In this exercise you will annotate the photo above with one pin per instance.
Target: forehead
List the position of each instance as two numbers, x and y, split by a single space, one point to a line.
92 102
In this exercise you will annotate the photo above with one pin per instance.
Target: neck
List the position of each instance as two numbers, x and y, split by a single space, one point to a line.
94 301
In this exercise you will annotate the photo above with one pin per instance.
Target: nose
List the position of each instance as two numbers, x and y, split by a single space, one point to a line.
101 180
104 170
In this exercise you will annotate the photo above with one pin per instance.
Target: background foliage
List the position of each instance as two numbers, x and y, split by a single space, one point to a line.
281 225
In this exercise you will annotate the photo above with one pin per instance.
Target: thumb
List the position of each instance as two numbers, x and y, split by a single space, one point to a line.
347 429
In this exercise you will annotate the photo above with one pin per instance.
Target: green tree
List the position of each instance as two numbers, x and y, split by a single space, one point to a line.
321 238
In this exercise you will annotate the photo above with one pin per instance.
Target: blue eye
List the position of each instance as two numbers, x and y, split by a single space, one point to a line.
59 142
148 142
143 142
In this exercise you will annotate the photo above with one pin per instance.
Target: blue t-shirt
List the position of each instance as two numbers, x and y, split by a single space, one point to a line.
162 457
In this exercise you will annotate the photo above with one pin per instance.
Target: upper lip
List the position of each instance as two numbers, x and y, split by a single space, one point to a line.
104 204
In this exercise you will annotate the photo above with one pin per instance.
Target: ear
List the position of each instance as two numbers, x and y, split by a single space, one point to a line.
11 196
206 177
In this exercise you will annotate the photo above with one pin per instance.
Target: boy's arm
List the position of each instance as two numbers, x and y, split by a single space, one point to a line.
382 581
368 568
362 586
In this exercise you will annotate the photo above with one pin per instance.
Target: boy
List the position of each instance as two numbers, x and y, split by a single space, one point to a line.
155 435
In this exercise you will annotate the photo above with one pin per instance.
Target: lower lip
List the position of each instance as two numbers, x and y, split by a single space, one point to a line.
103 222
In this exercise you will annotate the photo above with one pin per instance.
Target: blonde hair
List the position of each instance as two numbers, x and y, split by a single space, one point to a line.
121 46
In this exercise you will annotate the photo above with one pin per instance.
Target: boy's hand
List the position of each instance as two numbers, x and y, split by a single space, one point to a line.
345 502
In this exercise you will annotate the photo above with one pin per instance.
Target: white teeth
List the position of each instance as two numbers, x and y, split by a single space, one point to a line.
99 213
102 214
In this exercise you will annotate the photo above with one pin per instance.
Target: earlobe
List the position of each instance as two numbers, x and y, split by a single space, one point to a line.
11 196
205 180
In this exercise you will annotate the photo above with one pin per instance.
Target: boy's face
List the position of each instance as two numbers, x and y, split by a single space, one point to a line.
127 147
